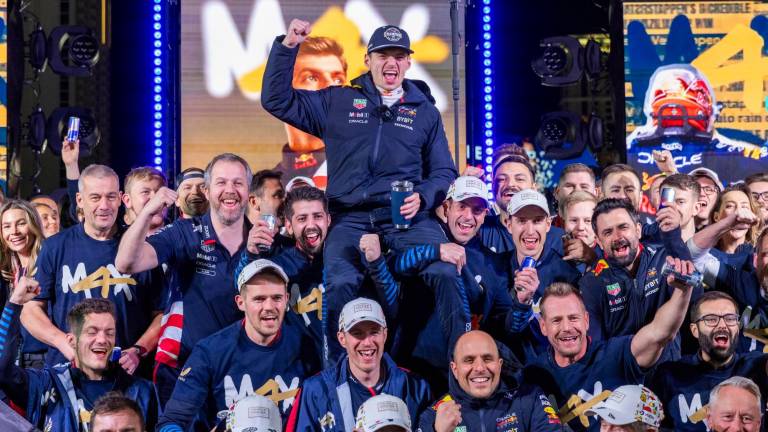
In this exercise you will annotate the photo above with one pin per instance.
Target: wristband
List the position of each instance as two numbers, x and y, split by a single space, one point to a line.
141 349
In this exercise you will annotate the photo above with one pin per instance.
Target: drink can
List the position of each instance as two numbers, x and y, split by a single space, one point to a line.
73 129
667 197
116 353
528 262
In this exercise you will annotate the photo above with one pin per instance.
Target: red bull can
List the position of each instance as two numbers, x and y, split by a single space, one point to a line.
528 262
667 197
116 353
73 129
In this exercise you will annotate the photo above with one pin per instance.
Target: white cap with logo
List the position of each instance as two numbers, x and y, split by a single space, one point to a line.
525 198
629 404
465 187
381 411
359 310
706 172
255 413
258 266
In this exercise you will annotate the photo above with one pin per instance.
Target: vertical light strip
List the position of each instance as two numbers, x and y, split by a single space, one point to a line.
158 70
488 101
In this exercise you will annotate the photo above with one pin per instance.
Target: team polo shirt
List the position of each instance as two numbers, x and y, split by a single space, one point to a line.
73 266
683 386
227 366
606 365
203 272
305 284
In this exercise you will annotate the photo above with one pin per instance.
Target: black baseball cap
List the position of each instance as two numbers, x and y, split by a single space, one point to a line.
389 37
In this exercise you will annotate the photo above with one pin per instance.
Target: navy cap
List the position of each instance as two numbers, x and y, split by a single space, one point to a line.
389 37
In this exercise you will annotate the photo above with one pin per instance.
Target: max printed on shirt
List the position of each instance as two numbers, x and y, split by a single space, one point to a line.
280 392
102 279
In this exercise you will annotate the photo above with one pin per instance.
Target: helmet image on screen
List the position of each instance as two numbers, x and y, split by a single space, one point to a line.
680 103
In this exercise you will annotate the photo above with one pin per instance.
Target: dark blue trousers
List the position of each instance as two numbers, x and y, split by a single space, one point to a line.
345 271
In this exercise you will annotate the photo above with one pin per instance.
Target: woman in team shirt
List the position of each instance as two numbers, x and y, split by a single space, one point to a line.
22 237
736 246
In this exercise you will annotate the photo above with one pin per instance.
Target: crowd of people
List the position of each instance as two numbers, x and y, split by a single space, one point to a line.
235 302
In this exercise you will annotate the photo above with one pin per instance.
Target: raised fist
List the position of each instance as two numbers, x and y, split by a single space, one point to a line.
298 31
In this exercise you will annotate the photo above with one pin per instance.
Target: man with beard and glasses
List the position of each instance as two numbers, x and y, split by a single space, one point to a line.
268 349
190 185
201 254
328 402
60 398
684 385
577 370
78 263
484 396
626 288
307 220
748 284
380 129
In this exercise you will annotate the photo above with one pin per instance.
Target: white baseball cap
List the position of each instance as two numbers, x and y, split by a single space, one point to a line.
299 180
629 404
359 310
255 413
525 198
466 187
258 266
381 411
706 172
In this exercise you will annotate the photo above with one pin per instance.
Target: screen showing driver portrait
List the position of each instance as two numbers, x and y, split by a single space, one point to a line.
225 44
695 84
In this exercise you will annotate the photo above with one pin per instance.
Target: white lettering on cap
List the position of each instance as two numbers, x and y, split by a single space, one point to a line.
392 34
362 307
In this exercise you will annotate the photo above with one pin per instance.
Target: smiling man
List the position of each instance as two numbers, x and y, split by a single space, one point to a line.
529 225
88 251
480 398
307 220
268 349
380 129
577 369
683 386
328 401
201 253
626 288
60 398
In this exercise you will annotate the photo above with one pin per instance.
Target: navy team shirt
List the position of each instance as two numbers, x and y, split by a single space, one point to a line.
683 386
204 272
606 365
227 366
73 266
305 284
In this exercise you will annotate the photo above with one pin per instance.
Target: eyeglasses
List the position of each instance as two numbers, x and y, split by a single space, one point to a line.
760 196
712 320
709 190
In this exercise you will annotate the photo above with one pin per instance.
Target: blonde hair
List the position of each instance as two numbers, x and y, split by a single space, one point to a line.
142 173
575 198
8 258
